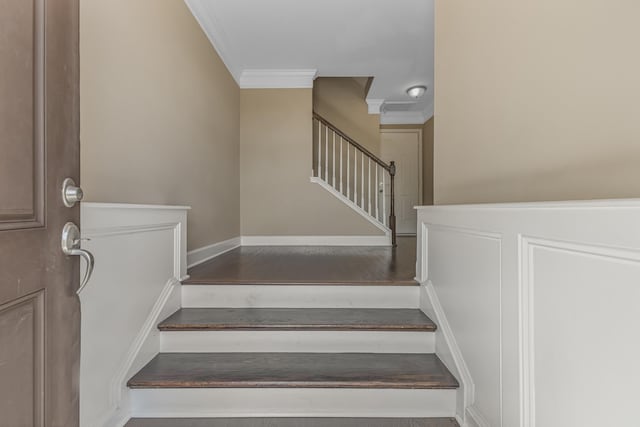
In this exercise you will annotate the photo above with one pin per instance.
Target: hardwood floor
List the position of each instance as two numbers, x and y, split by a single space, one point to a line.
297 370
334 265
288 319
293 422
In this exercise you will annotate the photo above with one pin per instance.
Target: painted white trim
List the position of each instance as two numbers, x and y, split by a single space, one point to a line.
404 117
580 251
145 346
475 419
355 207
374 105
316 241
274 402
265 341
527 310
112 219
277 79
132 206
467 386
610 204
300 296
429 112
214 33
205 253
155 275
459 420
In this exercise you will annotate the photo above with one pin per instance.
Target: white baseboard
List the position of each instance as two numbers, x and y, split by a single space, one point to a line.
200 255
316 241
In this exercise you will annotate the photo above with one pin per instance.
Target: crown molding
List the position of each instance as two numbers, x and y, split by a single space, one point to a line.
214 33
277 79
405 117
374 105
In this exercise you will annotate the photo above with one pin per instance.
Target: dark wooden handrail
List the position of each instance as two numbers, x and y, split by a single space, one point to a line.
351 141
390 168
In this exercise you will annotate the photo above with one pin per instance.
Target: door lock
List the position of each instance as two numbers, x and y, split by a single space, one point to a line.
71 194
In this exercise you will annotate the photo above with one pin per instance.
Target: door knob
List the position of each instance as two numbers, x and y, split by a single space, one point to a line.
71 246
71 194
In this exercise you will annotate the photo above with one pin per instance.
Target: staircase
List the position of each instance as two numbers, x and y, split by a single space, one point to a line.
241 354
354 175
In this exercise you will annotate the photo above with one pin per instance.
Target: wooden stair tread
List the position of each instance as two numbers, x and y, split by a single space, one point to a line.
367 319
294 370
292 422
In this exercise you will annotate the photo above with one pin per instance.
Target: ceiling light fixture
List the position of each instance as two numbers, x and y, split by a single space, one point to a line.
416 91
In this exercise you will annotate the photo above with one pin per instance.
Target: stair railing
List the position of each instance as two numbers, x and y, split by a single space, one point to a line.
355 172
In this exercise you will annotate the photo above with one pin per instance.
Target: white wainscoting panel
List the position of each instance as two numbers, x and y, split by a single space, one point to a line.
580 333
140 253
475 318
541 304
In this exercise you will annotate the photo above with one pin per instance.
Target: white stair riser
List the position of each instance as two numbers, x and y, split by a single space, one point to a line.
305 296
297 341
269 402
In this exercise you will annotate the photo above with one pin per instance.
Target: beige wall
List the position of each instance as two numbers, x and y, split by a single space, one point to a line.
277 197
159 114
341 100
427 156
537 100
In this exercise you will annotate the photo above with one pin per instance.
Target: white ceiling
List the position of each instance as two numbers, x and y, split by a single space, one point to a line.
391 40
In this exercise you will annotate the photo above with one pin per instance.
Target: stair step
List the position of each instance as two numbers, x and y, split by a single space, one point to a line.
291 319
294 370
292 402
299 296
263 341
292 422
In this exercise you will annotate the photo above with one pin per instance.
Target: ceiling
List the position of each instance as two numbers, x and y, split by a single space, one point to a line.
389 40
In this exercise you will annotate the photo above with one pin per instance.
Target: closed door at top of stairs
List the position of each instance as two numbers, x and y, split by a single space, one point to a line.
404 146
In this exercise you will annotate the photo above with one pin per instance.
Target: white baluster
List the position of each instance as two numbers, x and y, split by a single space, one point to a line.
341 177
319 168
348 170
384 199
377 191
333 169
369 185
362 180
355 175
326 154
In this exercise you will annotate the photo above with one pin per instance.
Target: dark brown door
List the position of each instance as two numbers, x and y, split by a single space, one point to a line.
39 147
